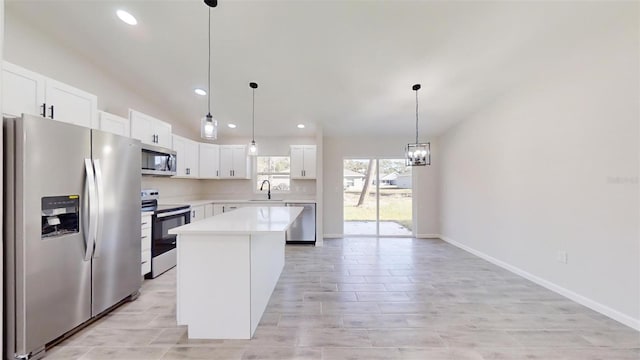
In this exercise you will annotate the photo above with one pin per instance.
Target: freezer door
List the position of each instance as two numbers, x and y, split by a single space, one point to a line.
48 282
116 260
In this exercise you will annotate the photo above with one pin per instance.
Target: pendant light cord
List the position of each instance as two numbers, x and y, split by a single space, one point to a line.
416 116
209 69
253 113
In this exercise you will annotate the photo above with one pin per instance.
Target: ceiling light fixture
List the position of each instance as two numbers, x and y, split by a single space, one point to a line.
300 126
418 154
209 126
233 126
253 149
126 17
200 92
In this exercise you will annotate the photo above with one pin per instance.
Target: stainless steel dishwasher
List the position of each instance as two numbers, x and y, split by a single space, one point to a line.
303 229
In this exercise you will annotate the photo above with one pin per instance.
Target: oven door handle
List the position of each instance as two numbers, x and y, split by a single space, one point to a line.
171 213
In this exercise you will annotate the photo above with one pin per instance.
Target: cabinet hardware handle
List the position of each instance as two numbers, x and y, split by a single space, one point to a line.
217 173
51 108
144 262
44 111
144 223
143 237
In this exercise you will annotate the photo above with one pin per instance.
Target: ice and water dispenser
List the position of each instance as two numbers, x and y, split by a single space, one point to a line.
60 215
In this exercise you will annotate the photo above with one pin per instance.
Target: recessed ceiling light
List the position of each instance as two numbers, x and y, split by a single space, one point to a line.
200 92
300 126
233 126
126 17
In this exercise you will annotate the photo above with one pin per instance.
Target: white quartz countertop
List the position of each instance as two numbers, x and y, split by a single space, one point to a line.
243 221
199 202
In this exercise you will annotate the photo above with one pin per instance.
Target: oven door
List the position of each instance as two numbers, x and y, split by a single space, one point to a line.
161 240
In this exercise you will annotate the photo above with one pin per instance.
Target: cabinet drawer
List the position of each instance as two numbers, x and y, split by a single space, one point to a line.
145 266
145 240
145 223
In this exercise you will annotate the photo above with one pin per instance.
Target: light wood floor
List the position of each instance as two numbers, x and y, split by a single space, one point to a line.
370 299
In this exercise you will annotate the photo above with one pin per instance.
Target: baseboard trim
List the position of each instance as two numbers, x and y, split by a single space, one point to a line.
333 236
428 236
593 305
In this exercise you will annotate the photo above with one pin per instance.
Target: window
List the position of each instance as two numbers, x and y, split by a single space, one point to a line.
276 169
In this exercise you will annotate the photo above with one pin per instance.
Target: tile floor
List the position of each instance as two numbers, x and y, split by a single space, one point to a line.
370 299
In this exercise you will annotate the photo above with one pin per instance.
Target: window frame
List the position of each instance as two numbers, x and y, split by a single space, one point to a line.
256 174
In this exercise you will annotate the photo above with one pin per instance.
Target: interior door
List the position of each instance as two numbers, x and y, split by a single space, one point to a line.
53 282
116 262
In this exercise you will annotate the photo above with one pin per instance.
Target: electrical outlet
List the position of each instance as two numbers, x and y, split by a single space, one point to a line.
563 257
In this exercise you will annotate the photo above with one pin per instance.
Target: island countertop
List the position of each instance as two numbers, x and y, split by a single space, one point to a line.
243 221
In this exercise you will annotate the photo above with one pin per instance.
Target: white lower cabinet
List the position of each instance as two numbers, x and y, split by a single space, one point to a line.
218 209
197 213
145 244
208 210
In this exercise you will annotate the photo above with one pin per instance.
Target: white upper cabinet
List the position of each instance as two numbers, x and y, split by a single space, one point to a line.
150 130
28 92
68 104
303 161
186 157
234 162
209 161
114 124
22 91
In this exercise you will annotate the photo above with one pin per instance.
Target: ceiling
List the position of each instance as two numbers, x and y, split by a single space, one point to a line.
344 66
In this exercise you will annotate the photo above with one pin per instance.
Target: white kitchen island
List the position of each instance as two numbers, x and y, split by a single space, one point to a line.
228 266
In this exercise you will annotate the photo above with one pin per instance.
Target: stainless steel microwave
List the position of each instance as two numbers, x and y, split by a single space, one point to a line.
158 161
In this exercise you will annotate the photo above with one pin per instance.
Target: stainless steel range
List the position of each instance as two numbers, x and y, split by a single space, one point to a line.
164 218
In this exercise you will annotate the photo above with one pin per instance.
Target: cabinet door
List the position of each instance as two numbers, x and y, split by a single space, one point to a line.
180 147
141 127
68 104
114 124
240 162
192 159
197 213
208 210
218 209
297 162
226 161
22 91
209 161
310 162
150 130
163 133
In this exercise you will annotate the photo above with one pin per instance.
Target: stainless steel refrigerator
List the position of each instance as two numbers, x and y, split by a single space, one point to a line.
72 228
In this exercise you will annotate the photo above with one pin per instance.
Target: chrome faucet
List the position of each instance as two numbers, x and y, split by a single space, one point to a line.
269 191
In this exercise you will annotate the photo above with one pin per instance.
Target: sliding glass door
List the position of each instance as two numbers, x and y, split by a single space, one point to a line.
377 197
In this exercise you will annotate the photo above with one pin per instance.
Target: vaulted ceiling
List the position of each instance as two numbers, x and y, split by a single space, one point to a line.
346 66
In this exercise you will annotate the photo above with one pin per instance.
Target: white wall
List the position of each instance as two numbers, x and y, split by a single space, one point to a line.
336 149
553 166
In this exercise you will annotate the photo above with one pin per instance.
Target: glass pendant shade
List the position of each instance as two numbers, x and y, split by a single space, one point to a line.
209 128
253 148
418 154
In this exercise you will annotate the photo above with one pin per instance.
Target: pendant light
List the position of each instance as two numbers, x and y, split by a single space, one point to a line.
208 125
253 148
418 154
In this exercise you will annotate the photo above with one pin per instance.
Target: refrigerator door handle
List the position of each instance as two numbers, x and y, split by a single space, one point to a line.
100 192
93 213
